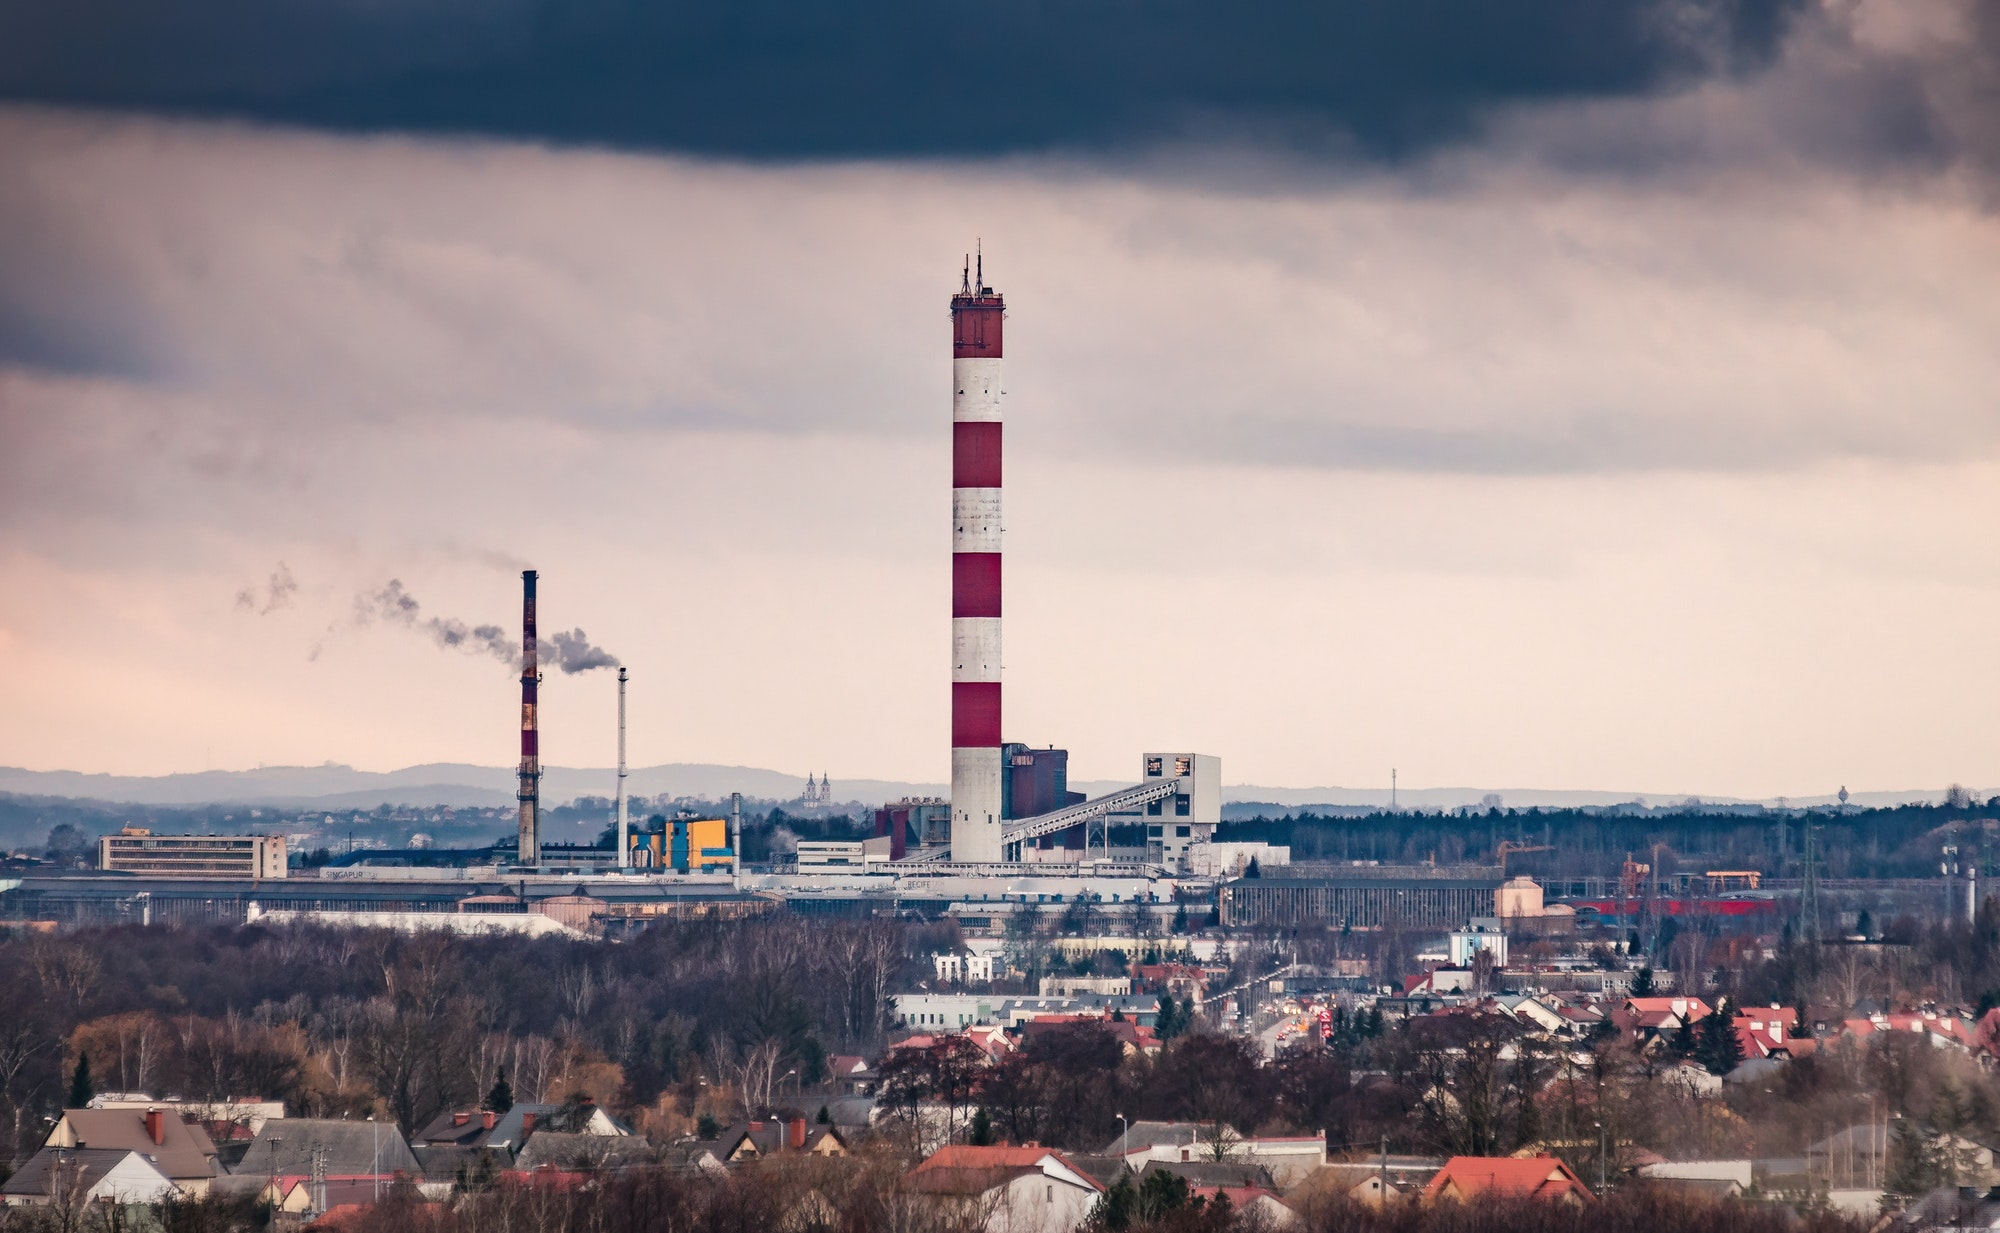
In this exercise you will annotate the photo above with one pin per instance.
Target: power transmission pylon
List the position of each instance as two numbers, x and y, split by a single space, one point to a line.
1809 888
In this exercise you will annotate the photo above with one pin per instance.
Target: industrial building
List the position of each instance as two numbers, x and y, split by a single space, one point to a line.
134 850
1372 896
1369 897
683 845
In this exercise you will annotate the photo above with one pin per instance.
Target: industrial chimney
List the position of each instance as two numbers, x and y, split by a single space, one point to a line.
531 756
624 853
976 316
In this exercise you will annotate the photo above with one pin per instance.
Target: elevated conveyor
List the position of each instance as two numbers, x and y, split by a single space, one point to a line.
1125 800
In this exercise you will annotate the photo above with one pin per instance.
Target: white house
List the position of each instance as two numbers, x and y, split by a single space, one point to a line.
72 1176
1288 1158
1008 1189
963 968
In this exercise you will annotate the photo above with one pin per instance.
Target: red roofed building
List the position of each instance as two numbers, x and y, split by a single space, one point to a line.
1008 1189
1943 1030
1647 1019
1464 1178
1762 1033
1135 1037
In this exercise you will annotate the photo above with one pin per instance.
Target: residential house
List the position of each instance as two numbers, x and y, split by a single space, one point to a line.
70 1177
508 1131
852 1075
1647 1020
1288 1158
1692 1078
587 1153
184 1153
1362 1181
753 1140
1715 1178
1766 1033
1538 1177
1940 1028
1025 1189
1535 1012
1135 1037
371 1150
1254 1207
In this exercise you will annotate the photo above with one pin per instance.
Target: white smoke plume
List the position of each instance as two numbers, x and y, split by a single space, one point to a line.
572 650
394 605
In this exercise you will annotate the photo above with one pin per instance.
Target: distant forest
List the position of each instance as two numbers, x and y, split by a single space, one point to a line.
1901 842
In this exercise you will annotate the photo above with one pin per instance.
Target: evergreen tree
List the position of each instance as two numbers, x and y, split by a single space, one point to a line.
1253 869
81 1089
501 1098
1913 1160
980 1134
1717 1047
1642 984
1115 1207
1180 919
826 1118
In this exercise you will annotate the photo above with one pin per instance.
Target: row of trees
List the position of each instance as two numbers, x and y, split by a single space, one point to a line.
1862 843
339 1022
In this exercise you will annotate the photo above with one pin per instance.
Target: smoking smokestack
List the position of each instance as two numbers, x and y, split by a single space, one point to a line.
530 792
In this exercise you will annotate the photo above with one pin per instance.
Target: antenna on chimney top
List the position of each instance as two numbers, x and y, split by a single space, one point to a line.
965 280
979 268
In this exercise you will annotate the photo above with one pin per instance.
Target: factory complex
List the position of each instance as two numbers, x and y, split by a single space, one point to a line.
1011 838
1010 803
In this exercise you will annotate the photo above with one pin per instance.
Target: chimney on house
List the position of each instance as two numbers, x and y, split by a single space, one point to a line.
487 1118
460 1119
528 1121
756 1126
156 1126
797 1138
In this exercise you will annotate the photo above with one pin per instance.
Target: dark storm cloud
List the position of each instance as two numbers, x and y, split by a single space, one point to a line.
783 78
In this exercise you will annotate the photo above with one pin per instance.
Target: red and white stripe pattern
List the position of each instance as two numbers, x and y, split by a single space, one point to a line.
976 316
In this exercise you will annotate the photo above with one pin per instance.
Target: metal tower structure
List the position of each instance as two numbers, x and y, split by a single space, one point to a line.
977 313
1809 887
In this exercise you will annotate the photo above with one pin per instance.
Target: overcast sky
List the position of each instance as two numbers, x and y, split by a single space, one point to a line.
1583 394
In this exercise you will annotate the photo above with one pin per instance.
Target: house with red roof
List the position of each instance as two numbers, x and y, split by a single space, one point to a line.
1763 1033
1944 1030
1648 1019
1465 1178
1027 1189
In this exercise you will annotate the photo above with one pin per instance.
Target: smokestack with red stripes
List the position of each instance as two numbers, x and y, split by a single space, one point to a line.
976 315
530 792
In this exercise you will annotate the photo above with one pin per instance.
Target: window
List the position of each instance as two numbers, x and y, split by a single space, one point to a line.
1181 832
1152 809
1153 766
1152 832
1183 766
1182 807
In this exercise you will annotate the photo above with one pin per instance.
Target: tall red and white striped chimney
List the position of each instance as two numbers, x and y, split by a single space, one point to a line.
976 315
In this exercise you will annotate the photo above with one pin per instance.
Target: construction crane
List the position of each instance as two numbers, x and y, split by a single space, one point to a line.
1507 845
